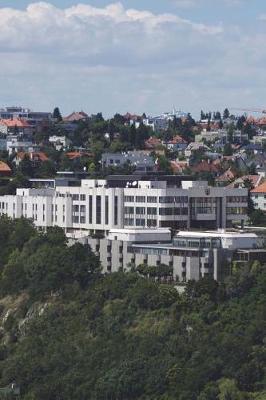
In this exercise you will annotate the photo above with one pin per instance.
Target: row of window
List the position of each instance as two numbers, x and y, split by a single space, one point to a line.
154 211
236 211
237 199
155 199
151 223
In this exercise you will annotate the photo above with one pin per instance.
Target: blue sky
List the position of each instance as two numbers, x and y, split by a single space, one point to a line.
102 56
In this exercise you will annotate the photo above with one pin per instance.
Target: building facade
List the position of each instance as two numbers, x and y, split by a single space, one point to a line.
191 255
129 202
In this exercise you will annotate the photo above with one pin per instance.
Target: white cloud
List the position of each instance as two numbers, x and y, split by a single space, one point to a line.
200 3
117 59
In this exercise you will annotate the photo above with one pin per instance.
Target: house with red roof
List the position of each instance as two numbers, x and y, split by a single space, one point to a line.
258 195
176 144
205 166
228 176
15 126
5 170
153 143
74 155
76 116
254 181
178 167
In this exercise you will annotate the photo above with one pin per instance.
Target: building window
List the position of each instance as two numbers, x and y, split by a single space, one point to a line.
116 211
129 199
82 197
151 223
151 210
140 210
140 199
140 222
98 210
75 197
90 209
106 210
151 199
129 221
129 210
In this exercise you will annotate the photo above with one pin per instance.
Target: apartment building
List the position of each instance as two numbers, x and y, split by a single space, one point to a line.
129 202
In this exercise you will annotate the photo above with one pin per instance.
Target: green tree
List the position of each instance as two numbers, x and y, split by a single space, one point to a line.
57 114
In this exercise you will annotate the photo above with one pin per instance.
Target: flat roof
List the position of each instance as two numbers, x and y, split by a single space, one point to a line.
214 234
140 230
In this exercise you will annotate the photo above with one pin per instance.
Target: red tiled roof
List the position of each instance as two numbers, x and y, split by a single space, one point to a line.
260 189
4 168
76 116
72 155
16 122
205 166
153 142
178 166
226 176
177 139
254 179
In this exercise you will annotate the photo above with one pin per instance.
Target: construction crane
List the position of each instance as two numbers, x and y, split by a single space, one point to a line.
250 110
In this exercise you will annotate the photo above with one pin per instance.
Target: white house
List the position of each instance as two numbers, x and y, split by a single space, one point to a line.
258 195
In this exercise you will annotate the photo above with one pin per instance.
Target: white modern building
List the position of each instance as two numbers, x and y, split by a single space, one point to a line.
191 255
59 142
129 202
139 159
161 122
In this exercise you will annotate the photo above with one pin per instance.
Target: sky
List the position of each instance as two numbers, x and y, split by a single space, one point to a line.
133 55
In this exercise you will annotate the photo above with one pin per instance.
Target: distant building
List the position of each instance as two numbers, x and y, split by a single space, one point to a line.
161 122
258 195
15 127
60 142
130 202
153 143
142 160
255 181
192 255
76 116
32 117
176 144
15 145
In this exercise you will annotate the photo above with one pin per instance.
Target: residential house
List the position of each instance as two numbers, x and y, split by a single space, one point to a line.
76 116
255 181
142 160
258 195
153 143
60 142
176 144
226 177
16 126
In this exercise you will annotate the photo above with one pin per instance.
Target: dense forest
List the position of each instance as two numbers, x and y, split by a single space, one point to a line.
69 332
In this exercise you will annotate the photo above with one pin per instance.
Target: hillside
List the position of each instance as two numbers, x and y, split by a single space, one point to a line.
67 332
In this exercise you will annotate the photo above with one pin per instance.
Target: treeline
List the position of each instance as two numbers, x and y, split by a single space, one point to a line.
68 332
